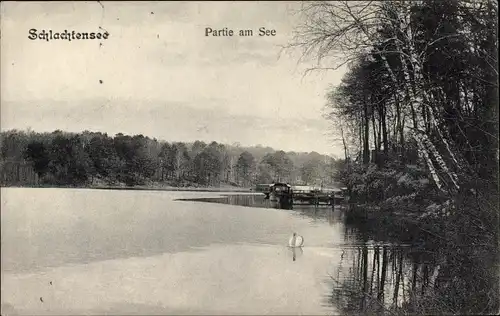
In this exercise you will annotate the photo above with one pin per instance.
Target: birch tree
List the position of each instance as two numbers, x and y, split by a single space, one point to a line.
340 32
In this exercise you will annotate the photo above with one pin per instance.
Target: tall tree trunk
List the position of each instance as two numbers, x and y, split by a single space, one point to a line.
346 154
375 136
366 145
384 132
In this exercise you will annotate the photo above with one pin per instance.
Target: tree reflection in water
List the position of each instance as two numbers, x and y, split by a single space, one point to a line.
237 199
377 278
405 276
251 200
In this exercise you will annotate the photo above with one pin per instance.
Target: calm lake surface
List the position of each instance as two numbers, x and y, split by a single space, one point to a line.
82 251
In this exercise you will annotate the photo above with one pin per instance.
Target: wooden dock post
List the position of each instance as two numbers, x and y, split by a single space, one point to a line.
332 200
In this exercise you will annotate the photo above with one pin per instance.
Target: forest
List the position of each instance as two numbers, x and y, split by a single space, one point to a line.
92 158
417 116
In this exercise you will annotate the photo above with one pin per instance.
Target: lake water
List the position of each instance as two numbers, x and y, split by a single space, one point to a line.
82 251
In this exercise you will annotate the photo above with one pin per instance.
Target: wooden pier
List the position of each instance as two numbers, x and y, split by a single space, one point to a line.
313 197
286 194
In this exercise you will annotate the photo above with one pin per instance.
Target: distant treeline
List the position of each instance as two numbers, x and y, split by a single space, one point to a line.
89 158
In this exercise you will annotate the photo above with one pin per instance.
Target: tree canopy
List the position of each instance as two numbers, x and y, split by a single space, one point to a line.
80 159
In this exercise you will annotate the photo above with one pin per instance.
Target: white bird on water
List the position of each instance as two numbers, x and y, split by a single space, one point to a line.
296 241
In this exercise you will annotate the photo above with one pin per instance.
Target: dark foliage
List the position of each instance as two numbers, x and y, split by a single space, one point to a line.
69 159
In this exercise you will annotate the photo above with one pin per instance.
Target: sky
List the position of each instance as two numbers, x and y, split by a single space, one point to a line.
158 75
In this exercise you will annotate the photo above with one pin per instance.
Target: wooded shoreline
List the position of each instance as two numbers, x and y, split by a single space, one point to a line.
139 188
83 159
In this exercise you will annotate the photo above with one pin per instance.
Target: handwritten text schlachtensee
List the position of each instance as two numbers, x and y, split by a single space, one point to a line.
49 35
224 32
